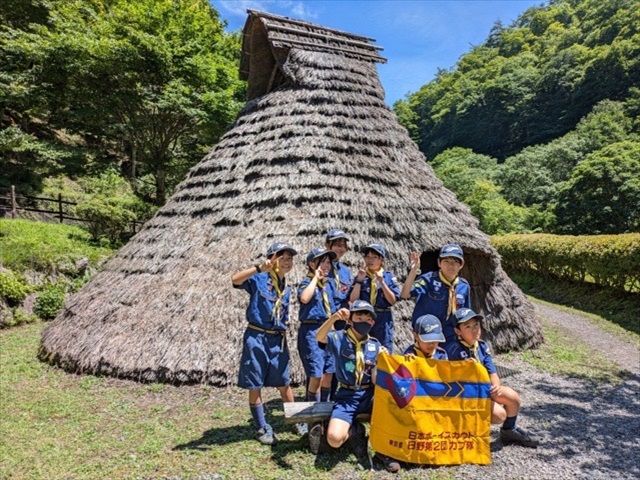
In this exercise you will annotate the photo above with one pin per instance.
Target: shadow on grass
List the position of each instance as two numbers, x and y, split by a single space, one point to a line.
621 308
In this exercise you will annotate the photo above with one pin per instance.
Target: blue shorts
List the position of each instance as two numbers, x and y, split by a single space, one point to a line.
311 354
349 403
382 330
264 361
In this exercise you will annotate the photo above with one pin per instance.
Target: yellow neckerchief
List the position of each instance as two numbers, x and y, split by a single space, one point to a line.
419 352
336 275
452 305
322 282
275 280
359 344
474 348
374 285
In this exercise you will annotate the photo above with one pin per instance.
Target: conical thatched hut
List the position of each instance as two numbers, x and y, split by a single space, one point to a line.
314 148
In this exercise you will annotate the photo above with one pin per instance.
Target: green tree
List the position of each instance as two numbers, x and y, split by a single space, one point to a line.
602 196
147 84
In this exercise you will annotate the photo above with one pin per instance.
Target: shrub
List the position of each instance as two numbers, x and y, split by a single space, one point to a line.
21 316
608 260
49 301
12 289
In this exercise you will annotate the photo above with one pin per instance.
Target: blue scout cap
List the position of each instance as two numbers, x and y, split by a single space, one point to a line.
319 252
466 314
280 247
335 234
362 306
451 250
376 247
429 329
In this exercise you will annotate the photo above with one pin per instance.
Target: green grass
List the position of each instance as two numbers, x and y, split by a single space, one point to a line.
619 308
563 354
46 247
59 425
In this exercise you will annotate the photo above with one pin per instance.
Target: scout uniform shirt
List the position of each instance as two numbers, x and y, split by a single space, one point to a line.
268 307
438 354
321 305
480 351
340 275
346 354
432 297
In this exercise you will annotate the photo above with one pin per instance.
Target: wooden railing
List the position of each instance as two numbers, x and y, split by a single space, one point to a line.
13 202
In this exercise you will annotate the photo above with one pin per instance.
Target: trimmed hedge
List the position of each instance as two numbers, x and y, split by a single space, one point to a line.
608 260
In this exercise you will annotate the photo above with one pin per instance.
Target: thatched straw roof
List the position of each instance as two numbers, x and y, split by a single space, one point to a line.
316 149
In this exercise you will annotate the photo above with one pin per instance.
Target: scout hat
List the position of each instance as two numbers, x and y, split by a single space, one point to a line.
376 247
362 306
335 234
278 247
452 250
429 329
319 252
466 314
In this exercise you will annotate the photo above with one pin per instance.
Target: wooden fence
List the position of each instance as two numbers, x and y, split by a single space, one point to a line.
13 202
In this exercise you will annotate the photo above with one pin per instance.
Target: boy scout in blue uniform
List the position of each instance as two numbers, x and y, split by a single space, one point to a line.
427 334
439 293
316 296
338 242
265 355
505 402
378 287
356 354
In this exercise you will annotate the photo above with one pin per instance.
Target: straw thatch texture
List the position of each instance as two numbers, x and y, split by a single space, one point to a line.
320 150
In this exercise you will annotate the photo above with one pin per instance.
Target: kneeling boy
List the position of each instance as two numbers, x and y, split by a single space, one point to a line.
505 402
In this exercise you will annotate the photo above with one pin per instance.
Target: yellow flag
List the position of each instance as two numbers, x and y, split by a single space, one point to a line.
431 411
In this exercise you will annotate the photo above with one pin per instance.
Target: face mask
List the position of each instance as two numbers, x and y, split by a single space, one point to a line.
362 328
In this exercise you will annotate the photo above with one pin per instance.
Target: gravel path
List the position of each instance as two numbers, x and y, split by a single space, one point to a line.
587 431
626 354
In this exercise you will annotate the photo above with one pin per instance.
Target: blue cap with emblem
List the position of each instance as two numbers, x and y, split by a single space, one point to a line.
278 247
376 247
452 250
466 314
429 329
362 306
320 252
335 234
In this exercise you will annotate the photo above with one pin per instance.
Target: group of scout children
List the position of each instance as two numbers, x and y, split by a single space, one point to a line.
334 340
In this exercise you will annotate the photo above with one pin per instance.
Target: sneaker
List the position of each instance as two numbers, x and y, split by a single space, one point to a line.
316 439
358 439
518 435
302 429
266 436
390 464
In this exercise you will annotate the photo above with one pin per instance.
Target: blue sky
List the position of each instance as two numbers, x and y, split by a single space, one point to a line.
418 36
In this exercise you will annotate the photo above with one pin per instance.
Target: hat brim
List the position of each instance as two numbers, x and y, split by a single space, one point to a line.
452 255
337 237
477 316
365 250
372 312
286 249
427 337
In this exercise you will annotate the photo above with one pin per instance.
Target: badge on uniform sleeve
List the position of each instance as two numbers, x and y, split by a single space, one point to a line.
371 347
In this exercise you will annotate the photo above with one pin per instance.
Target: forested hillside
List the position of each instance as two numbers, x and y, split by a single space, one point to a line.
537 128
105 100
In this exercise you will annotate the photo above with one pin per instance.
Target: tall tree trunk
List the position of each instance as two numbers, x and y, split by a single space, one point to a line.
161 187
